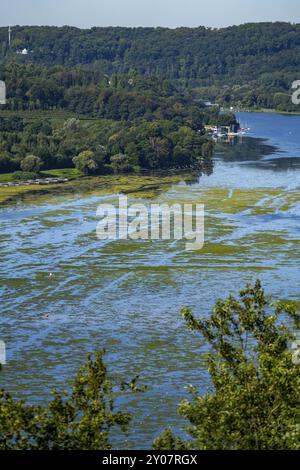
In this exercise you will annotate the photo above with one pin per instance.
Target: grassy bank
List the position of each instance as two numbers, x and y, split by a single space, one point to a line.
133 185
70 173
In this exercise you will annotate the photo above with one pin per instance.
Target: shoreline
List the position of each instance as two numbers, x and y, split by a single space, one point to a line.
262 111
133 185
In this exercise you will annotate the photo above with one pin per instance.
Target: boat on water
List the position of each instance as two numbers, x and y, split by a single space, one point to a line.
224 132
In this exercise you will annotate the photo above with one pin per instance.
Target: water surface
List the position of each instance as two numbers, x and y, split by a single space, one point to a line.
126 296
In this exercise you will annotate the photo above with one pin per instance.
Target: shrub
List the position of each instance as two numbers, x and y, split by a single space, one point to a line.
80 421
254 402
31 164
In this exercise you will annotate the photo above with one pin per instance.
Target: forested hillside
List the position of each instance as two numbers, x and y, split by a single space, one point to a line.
134 98
251 65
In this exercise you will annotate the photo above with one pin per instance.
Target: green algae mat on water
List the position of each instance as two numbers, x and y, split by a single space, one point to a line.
126 295
145 186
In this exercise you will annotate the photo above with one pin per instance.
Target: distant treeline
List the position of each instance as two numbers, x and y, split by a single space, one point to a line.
250 65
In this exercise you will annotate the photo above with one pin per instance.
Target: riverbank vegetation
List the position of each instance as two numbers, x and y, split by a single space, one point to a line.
252 401
100 147
123 126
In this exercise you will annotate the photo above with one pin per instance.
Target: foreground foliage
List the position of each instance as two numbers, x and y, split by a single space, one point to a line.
254 402
81 421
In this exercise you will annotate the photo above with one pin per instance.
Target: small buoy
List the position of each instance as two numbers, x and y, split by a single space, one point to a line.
50 275
45 316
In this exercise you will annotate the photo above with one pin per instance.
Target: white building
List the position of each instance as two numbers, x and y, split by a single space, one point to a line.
23 51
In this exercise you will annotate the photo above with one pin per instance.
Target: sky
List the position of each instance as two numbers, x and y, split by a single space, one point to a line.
170 13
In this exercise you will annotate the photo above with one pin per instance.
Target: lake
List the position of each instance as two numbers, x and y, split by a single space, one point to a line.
125 296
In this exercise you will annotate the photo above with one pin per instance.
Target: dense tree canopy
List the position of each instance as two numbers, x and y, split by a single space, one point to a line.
126 124
137 93
251 65
101 146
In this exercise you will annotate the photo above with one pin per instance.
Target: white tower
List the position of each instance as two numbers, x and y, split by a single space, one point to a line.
9 35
